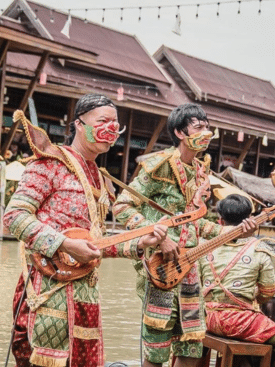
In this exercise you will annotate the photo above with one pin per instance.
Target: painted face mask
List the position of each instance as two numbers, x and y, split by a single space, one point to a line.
102 133
199 141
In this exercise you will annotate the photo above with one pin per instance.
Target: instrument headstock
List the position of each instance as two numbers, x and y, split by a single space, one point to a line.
270 212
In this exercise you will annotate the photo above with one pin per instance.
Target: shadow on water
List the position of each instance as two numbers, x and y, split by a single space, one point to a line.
121 308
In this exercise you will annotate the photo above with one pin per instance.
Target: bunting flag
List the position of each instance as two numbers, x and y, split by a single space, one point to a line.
176 28
66 28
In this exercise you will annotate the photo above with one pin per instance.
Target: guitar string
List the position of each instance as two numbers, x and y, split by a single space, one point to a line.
199 250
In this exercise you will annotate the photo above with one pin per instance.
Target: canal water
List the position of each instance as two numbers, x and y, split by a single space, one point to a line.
121 308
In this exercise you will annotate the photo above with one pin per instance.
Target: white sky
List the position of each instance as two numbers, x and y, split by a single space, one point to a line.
244 42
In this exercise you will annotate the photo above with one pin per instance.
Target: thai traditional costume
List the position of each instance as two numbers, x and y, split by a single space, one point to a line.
172 184
59 323
237 277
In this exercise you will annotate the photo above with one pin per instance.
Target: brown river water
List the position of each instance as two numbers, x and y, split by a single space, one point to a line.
121 308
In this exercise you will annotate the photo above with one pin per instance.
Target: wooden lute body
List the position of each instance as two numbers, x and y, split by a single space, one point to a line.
64 268
166 275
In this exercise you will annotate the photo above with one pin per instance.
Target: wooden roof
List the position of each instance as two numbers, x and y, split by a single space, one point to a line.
232 100
115 51
21 41
211 82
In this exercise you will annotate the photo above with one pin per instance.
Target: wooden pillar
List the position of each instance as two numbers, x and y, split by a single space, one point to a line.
219 160
2 195
126 149
24 102
70 114
3 63
244 152
153 140
256 169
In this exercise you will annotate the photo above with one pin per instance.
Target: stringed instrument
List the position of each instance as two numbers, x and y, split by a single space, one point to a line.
64 267
166 275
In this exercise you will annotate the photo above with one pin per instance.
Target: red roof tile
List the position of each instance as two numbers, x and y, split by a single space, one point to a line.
116 50
230 85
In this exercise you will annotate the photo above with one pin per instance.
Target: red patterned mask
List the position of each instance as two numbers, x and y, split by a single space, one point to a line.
102 133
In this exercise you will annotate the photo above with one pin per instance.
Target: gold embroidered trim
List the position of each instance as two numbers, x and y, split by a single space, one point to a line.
155 168
24 205
24 224
86 333
134 220
196 335
155 323
174 167
95 230
19 115
51 312
45 361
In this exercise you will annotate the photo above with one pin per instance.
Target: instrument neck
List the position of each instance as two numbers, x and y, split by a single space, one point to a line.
208 246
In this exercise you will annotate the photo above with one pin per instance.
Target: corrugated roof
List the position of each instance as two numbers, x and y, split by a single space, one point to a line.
230 85
163 97
116 50
236 120
23 63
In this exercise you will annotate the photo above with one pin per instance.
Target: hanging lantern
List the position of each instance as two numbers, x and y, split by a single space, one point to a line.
43 78
240 136
120 92
216 134
265 140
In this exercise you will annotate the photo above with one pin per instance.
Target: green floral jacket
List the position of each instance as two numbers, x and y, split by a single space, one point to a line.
172 184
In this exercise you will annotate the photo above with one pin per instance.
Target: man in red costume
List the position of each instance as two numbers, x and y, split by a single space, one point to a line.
59 323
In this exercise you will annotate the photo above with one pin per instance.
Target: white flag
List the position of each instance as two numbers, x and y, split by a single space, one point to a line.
177 29
66 28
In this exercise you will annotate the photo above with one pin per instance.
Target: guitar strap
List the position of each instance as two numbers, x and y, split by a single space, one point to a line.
220 277
95 230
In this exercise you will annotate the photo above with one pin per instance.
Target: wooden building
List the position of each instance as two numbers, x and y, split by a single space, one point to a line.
242 107
56 69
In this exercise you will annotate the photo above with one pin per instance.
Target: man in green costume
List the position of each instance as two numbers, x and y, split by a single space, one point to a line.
173 178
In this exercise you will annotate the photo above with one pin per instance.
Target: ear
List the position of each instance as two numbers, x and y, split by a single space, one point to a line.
179 134
77 124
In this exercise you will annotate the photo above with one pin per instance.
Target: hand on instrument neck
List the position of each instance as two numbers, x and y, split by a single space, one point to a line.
155 238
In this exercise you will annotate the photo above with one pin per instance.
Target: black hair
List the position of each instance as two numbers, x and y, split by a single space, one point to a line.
234 209
85 104
181 116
